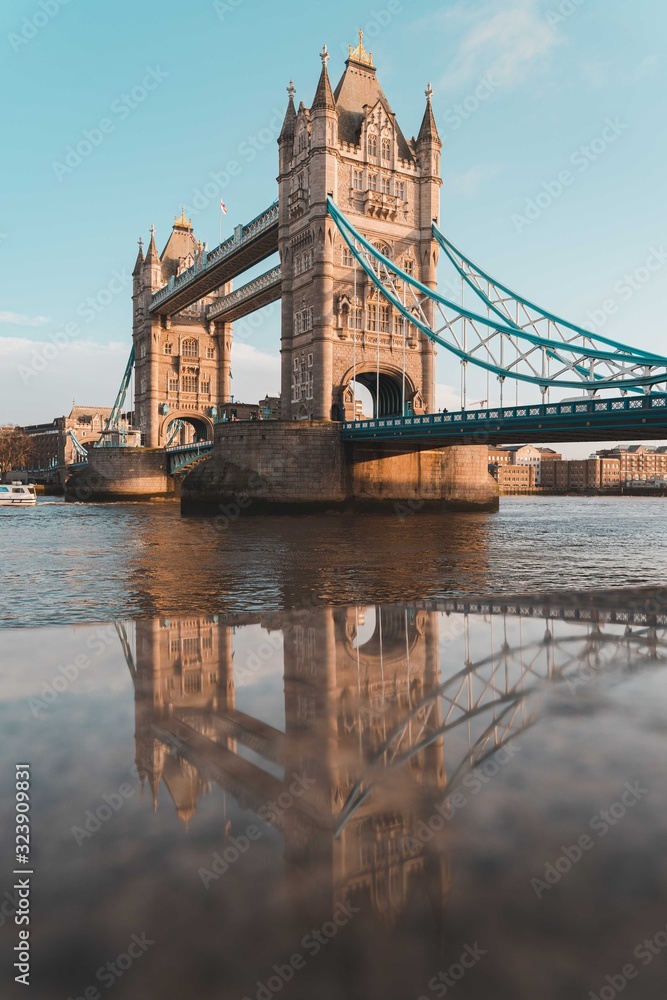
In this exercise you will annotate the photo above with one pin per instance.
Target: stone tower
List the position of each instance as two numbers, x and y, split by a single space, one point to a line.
349 145
182 363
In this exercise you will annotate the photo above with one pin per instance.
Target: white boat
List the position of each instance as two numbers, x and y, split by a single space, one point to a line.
17 494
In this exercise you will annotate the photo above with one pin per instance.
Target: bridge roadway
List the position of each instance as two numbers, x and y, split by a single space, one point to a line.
249 245
617 418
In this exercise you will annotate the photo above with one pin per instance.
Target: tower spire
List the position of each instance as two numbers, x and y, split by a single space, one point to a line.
152 257
324 98
287 131
428 131
140 258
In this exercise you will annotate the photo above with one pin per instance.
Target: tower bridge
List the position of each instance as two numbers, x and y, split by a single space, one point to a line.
357 231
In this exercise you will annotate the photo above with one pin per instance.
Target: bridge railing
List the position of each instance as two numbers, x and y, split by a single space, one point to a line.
207 259
515 412
178 449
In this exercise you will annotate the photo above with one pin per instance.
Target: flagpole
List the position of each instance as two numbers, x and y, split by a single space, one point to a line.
220 228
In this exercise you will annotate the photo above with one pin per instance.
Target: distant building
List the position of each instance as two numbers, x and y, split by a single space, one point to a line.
267 409
608 469
53 446
638 462
523 455
516 478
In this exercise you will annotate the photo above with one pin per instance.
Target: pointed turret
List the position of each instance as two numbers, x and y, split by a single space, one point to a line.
153 265
152 257
287 131
324 98
428 131
140 259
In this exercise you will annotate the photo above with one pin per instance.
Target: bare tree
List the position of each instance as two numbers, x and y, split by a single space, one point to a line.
16 449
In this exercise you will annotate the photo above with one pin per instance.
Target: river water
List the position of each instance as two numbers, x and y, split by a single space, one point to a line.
399 757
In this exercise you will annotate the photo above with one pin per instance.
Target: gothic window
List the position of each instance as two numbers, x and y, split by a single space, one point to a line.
372 144
190 348
302 380
205 386
303 141
384 249
373 182
297 264
400 190
354 318
189 383
210 353
347 256
409 265
168 348
372 316
142 348
386 149
357 180
172 383
385 319
386 185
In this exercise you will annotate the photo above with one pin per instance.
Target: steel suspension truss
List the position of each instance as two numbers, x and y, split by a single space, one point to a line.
113 419
78 447
499 697
515 339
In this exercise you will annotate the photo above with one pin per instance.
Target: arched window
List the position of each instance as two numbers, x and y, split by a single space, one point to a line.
386 149
372 144
190 348
384 249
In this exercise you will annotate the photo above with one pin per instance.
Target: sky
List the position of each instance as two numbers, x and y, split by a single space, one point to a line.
160 98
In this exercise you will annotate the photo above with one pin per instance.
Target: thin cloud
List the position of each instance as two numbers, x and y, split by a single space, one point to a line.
470 181
90 372
504 45
20 319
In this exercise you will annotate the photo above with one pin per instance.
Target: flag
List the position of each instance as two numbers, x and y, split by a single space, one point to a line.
223 207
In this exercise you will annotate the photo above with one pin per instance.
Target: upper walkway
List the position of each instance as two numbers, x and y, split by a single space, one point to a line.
249 245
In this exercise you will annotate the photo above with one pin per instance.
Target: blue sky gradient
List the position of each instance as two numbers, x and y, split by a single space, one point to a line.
524 90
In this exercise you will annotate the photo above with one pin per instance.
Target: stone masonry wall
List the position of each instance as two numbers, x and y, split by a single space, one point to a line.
118 473
295 466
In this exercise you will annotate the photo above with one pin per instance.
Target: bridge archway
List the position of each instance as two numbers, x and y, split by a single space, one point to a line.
382 391
196 427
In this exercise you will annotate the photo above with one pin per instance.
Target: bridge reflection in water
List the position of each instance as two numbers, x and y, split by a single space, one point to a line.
380 717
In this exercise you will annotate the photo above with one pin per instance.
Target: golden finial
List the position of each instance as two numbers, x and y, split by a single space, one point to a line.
359 54
183 222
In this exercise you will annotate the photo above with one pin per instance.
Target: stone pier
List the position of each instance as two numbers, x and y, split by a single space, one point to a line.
122 474
296 467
